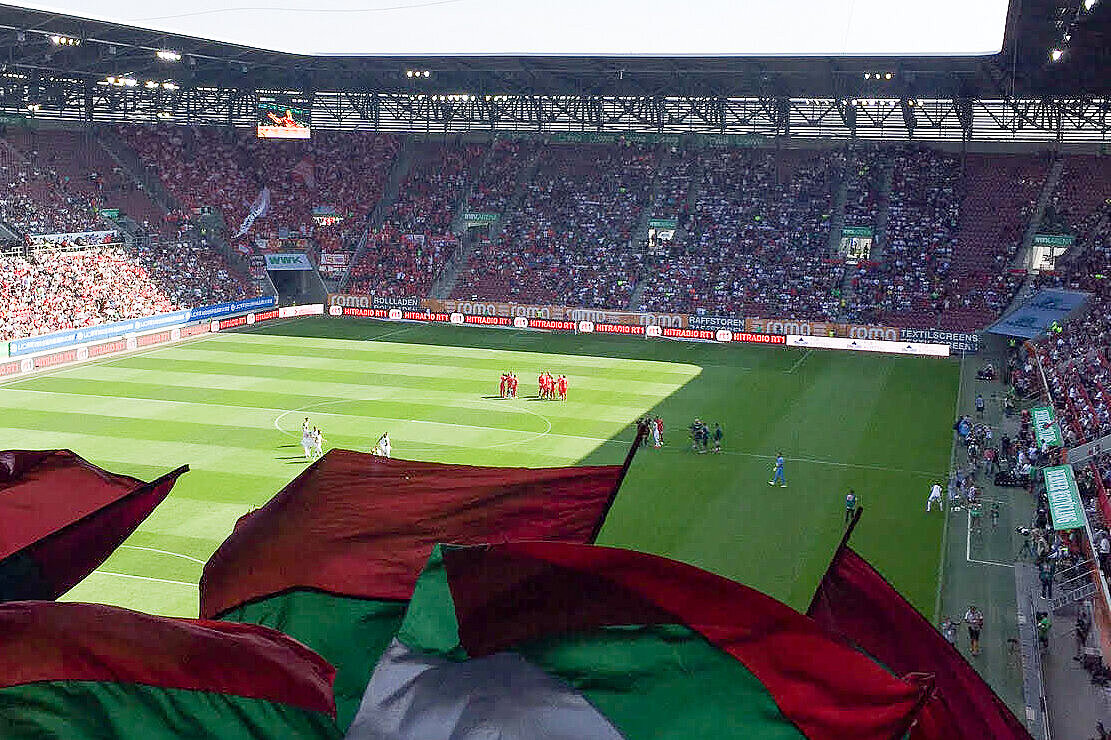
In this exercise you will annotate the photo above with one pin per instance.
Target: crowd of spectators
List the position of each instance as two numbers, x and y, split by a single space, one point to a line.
51 290
571 240
226 169
493 188
755 224
862 168
86 170
907 286
427 199
1076 356
758 241
35 199
398 265
673 186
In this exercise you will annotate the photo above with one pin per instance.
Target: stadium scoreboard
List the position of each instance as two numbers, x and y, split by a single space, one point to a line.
283 117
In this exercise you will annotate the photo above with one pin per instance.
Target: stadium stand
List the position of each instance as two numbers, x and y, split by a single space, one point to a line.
863 168
1079 200
1000 193
38 200
51 290
1077 360
673 186
758 243
86 171
571 240
226 169
908 287
495 184
753 231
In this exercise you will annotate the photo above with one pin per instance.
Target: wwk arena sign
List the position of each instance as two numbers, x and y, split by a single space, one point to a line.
288 261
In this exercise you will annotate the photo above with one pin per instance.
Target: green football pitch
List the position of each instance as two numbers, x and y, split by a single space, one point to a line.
231 405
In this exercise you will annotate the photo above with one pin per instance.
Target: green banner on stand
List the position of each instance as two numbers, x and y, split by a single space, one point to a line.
1064 499
1046 428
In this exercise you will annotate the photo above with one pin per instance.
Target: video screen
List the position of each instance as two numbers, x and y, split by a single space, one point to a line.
278 120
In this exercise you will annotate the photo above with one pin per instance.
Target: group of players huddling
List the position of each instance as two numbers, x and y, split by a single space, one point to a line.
311 440
548 388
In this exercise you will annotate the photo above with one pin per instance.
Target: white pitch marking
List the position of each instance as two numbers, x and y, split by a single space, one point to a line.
391 333
968 548
799 361
164 552
144 578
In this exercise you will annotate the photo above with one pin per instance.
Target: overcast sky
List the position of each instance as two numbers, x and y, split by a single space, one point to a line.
571 27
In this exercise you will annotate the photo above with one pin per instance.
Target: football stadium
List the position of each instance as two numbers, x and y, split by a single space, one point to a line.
463 370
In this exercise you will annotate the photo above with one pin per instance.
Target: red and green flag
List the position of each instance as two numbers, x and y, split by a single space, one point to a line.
856 602
332 559
566 641
83 671
61 517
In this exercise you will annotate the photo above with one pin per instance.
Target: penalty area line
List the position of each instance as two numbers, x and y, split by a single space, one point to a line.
164 552
144 578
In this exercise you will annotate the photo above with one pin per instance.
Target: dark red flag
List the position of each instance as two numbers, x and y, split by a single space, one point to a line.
359 525
856 602
62 517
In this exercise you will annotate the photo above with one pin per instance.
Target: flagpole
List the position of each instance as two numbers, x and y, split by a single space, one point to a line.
836 554
642 432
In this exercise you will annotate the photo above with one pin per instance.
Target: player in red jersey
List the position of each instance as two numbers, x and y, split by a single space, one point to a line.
513 385
501 385
561 384
540 385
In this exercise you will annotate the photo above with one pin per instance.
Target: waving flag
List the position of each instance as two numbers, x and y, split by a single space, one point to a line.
333 557
79 671
61 517
563 641
258 209
855 602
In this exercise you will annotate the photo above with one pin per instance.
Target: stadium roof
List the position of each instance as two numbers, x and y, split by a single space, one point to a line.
47 42
614 28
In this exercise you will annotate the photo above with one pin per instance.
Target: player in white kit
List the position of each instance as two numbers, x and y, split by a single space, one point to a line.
306 438
935 498
317 441
383 447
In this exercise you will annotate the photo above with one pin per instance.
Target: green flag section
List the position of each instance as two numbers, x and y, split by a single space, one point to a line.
61 517
78 671
1065 509
332 559
857 603
562 641
1046 428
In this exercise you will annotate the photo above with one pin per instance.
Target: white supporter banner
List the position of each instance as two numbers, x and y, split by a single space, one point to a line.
309 309
869 345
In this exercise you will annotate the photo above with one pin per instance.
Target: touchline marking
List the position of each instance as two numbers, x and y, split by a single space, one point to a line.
835 463
968 548
144 578
799 361
164 552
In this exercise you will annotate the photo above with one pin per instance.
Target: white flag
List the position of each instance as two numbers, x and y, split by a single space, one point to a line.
259 208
